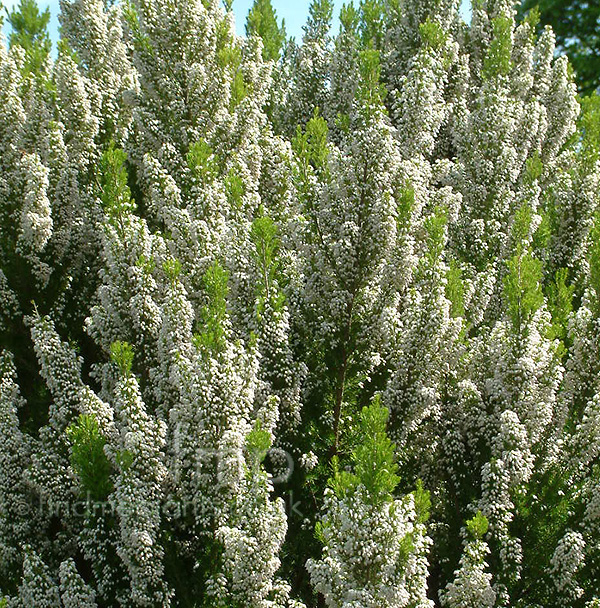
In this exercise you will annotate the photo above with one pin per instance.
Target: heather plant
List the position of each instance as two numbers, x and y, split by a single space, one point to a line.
297 324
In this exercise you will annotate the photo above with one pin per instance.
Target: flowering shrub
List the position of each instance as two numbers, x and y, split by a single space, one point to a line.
288 325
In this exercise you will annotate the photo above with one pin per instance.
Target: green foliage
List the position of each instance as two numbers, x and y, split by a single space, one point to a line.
422 500
374 459
455 290
88 458
141 41
349 18
230 59
65 50
543 235
342 122
407 546
320 532
594 260
405 205
320 11
341 482
258 442
560 303
266 247
534 166
435 226
116 196
522 288
203 163
498 59
521 226
262 21
234 187
30 31
124 459
146 264
533 17
212 332
238 90
589 129
121 354
545 511
172 268
318 24
477 527
523 281
371 91
432 34
372 17
310 146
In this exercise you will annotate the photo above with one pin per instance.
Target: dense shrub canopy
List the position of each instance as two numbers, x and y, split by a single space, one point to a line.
288 325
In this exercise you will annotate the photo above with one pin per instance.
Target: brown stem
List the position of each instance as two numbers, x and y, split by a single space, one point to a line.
339 397
341 376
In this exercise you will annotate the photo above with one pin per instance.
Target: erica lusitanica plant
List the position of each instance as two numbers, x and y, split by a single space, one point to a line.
297 324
